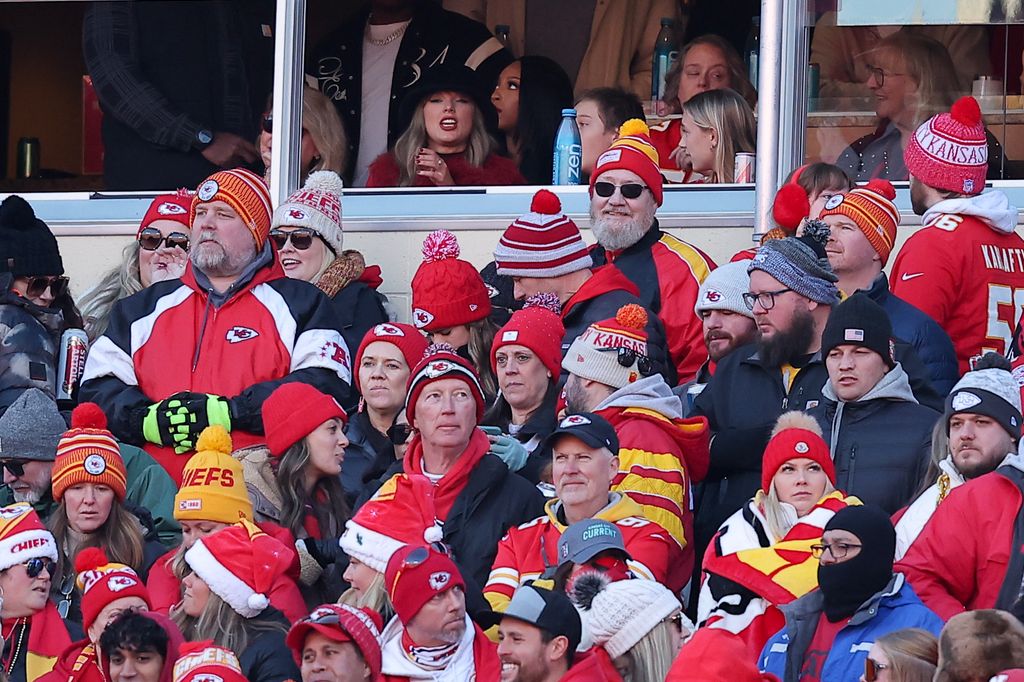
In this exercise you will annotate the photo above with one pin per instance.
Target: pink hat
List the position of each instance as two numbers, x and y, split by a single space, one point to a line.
538 326
542 243
949 151
341 623
447 291
409 340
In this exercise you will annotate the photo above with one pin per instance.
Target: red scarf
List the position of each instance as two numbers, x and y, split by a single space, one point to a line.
451 485
47 639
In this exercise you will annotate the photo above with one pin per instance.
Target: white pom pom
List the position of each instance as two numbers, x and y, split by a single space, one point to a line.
325 180
433 534
257 601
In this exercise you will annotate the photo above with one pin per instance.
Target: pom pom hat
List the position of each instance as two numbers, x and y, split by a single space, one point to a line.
316 206
88 453
446 291
341 623
23 536
414 575
212 484
594 353
240 564
632 150
791 204
206 662
949 151
293 411
623 612
440 361
538 326
542 243
796 435
174 207
102 582
409 341
247 195
870 207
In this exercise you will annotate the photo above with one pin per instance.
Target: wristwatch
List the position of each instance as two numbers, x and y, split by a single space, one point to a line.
203 138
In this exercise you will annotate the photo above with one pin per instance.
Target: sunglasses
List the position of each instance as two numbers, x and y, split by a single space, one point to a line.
15 466
33 567
627 356
631 190
67 588
267 123
872 668
150 239
37 286
399 433
301 239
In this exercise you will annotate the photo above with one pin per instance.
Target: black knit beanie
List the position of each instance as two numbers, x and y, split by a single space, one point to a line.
859 321
27 247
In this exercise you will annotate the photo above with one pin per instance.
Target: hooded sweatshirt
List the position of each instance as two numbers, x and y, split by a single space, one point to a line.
175 640
964 269
661 455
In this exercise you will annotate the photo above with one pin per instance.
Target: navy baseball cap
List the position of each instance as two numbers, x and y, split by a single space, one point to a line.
537 603
590 428
585 539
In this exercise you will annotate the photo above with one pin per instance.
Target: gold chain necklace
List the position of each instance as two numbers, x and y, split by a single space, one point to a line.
386 40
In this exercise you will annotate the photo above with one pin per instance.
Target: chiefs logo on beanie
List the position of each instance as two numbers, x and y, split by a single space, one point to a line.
447 291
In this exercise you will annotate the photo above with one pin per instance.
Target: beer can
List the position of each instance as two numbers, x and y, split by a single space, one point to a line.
28 157
744 171
74 346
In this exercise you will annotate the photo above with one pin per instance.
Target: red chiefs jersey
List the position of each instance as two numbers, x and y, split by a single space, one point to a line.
528 550
969 277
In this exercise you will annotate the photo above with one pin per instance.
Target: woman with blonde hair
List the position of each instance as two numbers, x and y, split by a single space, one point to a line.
909 655
324 144
717 124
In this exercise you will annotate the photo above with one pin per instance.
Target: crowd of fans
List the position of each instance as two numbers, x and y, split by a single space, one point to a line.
606 462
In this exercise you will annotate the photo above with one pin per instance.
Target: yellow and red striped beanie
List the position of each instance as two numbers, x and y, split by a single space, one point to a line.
632 150
872 209
88 453
245 192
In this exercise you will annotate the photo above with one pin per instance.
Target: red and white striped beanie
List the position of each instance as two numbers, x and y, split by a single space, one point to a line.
949 151
542 243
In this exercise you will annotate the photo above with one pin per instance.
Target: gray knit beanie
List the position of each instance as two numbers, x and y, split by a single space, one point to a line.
990 390
801 263
31 428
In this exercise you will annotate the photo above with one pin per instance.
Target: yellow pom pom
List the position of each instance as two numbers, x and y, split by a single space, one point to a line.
634 126
632 316
214 438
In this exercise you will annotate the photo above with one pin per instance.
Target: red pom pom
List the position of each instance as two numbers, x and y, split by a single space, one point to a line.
544 300
790 207
90 559
883 187
546 202
632 316
440 245
88 416
966 111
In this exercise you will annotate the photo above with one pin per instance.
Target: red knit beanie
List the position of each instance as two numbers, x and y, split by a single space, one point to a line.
415 575
632 150
791 204
174 207
440 361
291 413
245 192
949 151
410 342
796 436
446 291
341 623
871 208
542 243
538 326
101 582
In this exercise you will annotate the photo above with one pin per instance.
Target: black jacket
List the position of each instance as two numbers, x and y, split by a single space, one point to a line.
532 434
267 658
434 36
357 309
881 444
368 456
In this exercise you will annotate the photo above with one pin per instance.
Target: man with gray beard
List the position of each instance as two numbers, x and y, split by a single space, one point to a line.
625 192
209 348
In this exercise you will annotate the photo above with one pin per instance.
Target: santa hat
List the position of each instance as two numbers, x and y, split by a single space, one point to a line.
341 623
174 207
240 564
415 575
949 151
316 206
207 662
870 207
616 615
1011 675
410 342
23 536
538 326
594 354
212 483
88 453
542 243
245 192
632 150
796 435
446 291
401 513
293 411
791 204
102 581
440 361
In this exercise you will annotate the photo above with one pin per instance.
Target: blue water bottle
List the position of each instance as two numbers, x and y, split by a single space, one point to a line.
664 55
568 156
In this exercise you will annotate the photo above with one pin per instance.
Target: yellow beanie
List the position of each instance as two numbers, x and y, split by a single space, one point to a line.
212 485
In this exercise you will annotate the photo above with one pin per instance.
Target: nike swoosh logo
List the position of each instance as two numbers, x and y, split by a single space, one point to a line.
907 276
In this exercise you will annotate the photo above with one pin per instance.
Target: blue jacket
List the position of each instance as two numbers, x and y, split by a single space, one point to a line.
894 608
932 343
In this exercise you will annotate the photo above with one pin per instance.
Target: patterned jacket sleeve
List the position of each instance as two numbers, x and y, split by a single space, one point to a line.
27 355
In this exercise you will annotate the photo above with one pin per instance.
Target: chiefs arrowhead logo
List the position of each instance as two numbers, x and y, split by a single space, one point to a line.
712 296
239 334
117 583
297 214
421 318
438 580
168 208
387 330
573 420
436 369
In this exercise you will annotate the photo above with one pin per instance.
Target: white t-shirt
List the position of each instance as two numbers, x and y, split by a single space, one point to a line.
378 69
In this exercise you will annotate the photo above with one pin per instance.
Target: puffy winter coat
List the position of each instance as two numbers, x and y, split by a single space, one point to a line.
29 336
880 443
368 455
894 608
267 658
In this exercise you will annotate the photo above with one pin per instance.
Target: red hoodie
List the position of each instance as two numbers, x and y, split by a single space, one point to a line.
593 665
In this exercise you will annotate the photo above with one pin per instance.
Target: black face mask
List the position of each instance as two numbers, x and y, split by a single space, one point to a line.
847 585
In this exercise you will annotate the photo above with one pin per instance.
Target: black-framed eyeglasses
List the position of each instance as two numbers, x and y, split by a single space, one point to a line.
766 299
37 286
150 239
872 668
630 190
627 356
301 238
399 433
879 74
15 466
35 566
838 550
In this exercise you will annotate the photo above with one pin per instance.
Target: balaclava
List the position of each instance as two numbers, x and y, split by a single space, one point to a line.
848 584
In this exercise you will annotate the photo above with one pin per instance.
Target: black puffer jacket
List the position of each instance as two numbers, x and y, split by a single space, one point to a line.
267 658
29 336
881 444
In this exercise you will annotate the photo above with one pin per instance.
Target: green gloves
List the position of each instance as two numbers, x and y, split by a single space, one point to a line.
178 420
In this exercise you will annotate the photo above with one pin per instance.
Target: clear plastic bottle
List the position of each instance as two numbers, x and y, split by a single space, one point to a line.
665 53
568 156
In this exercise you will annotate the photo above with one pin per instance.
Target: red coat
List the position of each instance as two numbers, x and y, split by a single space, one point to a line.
593 665
952 566
78 662
497 170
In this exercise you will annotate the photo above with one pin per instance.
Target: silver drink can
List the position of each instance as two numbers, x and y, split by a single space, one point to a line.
28 157
744 171
74 346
